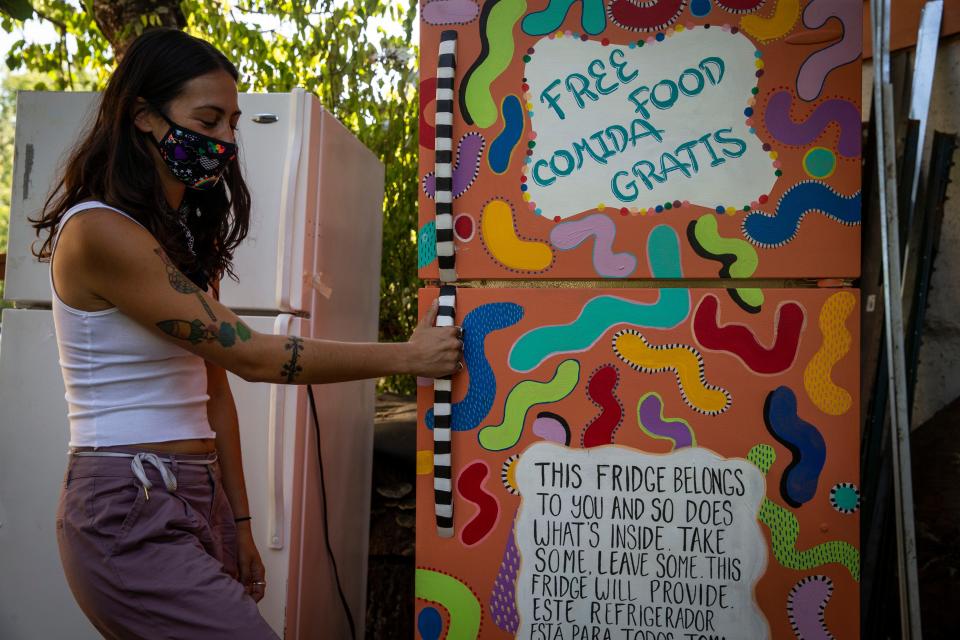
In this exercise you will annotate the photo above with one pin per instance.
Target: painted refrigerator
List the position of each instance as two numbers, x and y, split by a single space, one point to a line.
648 213
309 266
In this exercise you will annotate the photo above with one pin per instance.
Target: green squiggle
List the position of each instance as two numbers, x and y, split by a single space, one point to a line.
784 530
603 312
527 393
495 57
455 597
744 257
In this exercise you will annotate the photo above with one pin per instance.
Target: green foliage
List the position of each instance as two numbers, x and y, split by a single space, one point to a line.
19 9
337 49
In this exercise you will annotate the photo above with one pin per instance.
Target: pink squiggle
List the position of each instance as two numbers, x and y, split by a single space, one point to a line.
818 66
782 127
439 12
568 235
805 606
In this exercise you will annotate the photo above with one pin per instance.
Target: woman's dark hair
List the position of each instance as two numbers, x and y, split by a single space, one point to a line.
113 162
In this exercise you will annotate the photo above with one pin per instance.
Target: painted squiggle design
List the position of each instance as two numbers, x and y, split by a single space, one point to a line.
601 313
775 230
798 484
568 235
654 15
737 259
470 485
540 23
814 71
454 596
428 94
505 245
441 12
601 389
485 319
740 6
805 607
740 340
497 19
469 152
684 361
784 18
844 113
828 396
506 141
521 398
503 596
652 421
429 624
552 427
785 530
427 244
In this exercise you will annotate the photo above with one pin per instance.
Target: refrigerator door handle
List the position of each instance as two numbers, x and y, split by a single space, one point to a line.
288 195
276 533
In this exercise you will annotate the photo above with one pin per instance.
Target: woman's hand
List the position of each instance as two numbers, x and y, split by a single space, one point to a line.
435 351
249 563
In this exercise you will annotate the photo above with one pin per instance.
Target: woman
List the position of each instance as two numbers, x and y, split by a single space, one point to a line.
153 523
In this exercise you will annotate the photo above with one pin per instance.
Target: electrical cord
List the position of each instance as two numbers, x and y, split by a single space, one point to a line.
326 524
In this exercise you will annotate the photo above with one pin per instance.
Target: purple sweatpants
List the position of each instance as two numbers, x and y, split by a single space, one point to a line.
157 567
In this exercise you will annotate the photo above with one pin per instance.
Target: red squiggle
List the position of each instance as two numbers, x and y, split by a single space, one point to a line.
470 485
600 388
740 6
740 340
645 16
428 93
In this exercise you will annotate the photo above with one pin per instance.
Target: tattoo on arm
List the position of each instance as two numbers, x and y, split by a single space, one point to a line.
182 283
195 332
291 369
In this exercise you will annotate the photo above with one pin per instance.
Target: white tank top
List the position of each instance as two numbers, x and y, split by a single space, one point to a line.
124 384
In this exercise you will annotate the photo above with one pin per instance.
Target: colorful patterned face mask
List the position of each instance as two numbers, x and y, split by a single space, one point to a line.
197 160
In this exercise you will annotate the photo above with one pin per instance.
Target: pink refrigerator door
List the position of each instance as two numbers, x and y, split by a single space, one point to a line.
575 131
648 462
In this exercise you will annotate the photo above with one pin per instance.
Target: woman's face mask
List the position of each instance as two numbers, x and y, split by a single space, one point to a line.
197 160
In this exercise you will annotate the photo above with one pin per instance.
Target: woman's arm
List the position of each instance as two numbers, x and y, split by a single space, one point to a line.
123 264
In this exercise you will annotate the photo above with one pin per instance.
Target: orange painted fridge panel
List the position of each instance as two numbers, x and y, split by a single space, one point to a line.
577 131
672 377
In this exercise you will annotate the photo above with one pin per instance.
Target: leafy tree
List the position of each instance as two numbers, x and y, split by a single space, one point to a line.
338 49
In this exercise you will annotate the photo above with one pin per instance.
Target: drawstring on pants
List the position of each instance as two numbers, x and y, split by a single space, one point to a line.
136 465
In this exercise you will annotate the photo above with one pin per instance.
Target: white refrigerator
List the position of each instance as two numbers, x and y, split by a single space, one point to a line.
310 266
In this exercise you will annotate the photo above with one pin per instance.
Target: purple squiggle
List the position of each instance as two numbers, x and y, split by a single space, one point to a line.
503 596
818 66
469 151
650 410
785 130
568 235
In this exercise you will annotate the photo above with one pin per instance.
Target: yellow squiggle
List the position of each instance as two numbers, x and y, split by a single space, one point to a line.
685 361
829 397
424 462
784 17
506 247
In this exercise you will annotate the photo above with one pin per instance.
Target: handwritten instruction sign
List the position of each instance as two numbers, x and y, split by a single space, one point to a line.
619 126
616 544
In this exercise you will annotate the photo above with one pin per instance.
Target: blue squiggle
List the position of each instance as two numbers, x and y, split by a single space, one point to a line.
467 414
540 23
798 484
503 145
603 312
774 230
